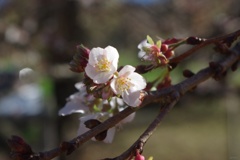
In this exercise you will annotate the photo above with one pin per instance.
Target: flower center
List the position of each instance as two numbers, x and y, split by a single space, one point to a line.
123 83
103 65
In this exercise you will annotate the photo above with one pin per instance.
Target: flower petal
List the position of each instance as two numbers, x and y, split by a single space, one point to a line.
102 77
113 86
138 81
72 107
80 86
112 53
110 135
94 55
128 119
142 54
90 71
144 43
126 70
132 98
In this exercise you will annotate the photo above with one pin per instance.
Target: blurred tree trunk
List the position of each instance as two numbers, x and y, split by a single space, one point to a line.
58 22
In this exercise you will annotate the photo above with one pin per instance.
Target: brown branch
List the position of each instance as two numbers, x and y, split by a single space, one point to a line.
166 96
138 145
203 44
179 89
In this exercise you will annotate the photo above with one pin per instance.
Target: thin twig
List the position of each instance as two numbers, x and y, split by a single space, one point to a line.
201 45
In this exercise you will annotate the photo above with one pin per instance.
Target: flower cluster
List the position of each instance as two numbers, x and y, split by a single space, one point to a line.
94 111
158 53
106 89
104 81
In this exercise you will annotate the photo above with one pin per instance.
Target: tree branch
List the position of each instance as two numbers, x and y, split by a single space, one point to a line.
180 89
141 141
166 97
230 36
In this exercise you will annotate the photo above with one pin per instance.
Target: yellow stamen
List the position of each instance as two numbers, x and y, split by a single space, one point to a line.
123 83
103 65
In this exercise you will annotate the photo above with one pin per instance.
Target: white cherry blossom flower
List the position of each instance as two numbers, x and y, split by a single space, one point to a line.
102 64
144 46
129 85
77 102
152 52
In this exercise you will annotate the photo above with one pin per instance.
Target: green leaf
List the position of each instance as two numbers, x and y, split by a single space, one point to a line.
159 43
149 39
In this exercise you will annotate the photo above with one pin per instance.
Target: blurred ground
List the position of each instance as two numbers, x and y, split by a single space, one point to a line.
43 35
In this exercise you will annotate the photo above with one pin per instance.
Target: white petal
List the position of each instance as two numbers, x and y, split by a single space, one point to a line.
90 71
138 80
110 135
113 68
111 53
72 107
113 86
94 54
132 98
126 70
102 77
128 118
143 44
82 128
80 86
141 54
120 102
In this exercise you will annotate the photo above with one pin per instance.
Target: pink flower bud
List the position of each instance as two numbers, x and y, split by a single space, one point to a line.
169 53
164 47
139 157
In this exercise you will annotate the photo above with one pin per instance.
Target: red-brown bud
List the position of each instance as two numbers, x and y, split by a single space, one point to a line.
169 53
84 51
80 59
20 150
164 47
194 40
17 144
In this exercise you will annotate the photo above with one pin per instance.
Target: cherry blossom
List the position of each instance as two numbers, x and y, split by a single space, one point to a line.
129 85
94 111
77 102
102 64
153 52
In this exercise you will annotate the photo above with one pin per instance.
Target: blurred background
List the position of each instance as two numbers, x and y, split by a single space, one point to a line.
43 35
